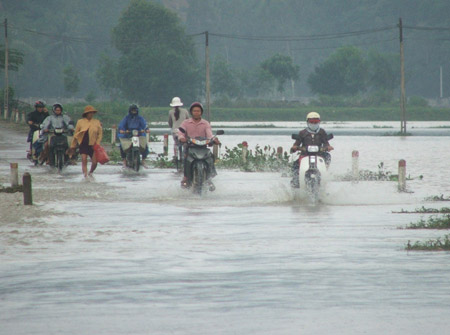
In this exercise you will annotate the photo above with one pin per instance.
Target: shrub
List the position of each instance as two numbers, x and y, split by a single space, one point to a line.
417 101
261 159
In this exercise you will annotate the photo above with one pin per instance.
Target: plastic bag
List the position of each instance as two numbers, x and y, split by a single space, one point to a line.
100 154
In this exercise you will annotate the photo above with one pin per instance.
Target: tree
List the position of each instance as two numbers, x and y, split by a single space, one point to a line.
223 79
256 82
343 73
108 76
282 69
157 60
384 71
71 79
15 58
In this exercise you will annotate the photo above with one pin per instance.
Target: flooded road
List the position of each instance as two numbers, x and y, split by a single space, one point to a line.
130 253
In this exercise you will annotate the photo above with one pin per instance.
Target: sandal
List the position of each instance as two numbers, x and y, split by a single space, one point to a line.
184 183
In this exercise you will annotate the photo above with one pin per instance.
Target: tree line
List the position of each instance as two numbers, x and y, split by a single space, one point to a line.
145 51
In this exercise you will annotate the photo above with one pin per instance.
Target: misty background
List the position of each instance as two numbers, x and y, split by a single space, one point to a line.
60 40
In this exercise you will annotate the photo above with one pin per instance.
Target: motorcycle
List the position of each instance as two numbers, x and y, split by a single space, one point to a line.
313 167
59 143
32 154
133 147
178 155
199 162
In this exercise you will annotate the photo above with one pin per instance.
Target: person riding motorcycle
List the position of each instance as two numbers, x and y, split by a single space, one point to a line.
313 134
56 120
34 121
196 127
133 121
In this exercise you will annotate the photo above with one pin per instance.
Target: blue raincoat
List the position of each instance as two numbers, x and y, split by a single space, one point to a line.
132 121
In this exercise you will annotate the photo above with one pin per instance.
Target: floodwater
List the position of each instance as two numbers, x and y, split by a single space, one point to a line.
130 253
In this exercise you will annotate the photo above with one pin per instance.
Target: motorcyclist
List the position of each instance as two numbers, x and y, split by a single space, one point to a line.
197 127
56 120
130 122
313 134
34 121
176 116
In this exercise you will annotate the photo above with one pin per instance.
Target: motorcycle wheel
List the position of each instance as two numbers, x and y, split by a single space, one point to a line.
136 160
198 178
313 188
59 160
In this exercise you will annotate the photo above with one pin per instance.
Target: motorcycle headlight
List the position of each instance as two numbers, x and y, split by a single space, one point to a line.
135 132
199 142
58 131
313 148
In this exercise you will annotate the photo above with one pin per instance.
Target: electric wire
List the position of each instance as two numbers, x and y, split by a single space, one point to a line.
263 38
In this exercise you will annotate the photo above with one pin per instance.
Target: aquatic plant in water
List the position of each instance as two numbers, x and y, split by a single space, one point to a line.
163 162
425 210
433 222
430 245
262 159
437 198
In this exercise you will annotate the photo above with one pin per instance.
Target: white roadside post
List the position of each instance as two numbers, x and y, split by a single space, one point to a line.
113 133
355 164
14 174
402 175
166 144
244 151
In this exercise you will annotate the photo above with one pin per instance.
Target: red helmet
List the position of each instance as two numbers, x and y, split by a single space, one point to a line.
196 104
39 103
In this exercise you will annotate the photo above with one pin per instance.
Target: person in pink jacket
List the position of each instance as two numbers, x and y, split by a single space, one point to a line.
196 127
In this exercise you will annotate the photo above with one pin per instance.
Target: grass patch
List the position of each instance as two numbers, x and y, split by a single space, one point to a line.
425 210
433 222
397 133
437 198
381 127
163 162
367 175
431 245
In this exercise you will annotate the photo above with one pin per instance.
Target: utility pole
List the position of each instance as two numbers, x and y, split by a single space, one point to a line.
402 80
6 96
208 91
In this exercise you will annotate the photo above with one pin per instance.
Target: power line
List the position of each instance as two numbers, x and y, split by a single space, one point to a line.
266 38
65 38
321 48
427 28
300 38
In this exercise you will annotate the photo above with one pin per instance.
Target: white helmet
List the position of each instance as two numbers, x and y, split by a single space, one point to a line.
313 121
312 115
176 102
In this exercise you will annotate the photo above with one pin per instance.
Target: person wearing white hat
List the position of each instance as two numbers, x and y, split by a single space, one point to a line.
176 116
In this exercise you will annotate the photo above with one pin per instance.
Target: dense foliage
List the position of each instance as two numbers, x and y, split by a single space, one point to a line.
157 60
343 73
54 34
282 69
